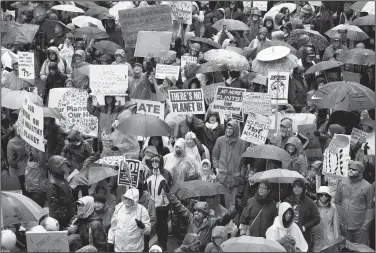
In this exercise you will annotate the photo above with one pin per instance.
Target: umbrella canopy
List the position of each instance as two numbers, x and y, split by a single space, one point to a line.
364 6
86 4
209 42
106 46
233 60
198 188
5 26
90 32
366 20
267 151
246 243
105 16
144 125
316 38
210 67
20 34
92 175
275 9
286 63
14 99
324 65
345 96
68 7
96 11
231 25
49 112
273 43
279 176
353 32
114 11
17 208
272 53
358 56
48 27
8 57
84 21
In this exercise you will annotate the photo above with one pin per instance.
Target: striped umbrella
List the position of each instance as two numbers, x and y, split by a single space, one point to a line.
17 208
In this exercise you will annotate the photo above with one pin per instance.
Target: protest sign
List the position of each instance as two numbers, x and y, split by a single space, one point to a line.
129 172
261 5
187 101
297 119
71 103
110 160
26 65
153 44
256 129
108 79
50 241
152 18
185 59
336 157
228 99
278 86
31 124
210 91
257 102
182 11
162 71
356 134
149 107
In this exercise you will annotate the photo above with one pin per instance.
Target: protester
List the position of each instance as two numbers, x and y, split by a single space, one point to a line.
218 235
298 161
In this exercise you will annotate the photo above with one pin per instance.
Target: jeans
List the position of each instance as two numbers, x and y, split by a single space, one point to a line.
161 226
146 243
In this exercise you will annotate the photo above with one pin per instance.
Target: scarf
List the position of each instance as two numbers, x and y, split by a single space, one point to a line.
211 126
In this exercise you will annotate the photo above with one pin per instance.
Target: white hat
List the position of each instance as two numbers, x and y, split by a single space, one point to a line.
38 228
50 224
155 248
324 189
8 239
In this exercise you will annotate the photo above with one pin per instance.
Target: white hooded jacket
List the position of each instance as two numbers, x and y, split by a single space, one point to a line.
124 232
278 231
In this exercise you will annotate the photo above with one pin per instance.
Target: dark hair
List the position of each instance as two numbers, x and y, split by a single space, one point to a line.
235 74
112 104
285 222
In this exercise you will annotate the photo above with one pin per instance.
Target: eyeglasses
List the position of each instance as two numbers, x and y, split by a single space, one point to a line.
323 195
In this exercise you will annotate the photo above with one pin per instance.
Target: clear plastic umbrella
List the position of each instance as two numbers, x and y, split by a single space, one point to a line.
353 32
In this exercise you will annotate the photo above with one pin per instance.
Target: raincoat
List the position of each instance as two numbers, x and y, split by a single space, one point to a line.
59 193
184 127
212 131
209 176
147 201
123 61
17 156
227 158
79 156
110 198
299 162
258 215
328 230
13 81
64 67
54 135
171 160
278 231
217 232
186 170
204 229
80 80
124 232
53 81
354 202
156 185
35 173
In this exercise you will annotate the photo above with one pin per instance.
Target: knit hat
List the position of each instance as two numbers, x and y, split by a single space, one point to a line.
155 248
100 198
105 58
306 9
278 35
360 45
299 182
324 189
80 53
52 65
138 64
87 248
263 30
120 52
150 151
286 122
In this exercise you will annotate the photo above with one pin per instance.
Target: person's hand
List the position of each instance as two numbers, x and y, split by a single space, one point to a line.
44 142
43 78
72 229
362 140
140 224
317 133
114 148
278 204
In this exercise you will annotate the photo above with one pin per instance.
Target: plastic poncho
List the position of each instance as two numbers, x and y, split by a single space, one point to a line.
124 232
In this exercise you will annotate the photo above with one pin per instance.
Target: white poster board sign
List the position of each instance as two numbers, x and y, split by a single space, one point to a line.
149 107
257 102
26 65
261 5
256 128
228 99
162 71
187 101
182 10
337 157
109 79
51 241
278 86
185 59
31 124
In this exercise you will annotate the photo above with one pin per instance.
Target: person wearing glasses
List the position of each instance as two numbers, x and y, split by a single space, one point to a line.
327 230
354 199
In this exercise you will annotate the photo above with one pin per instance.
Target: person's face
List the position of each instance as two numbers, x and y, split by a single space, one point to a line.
370 72
53 72
198 215
268 23
212 119
58 29
366 129
15 67
298 190
155 141
137 70
321 85
109 100
189 118
309 103
98 206
205 168
155 161
263 190
101 191
218 240
74 142
310 58
110 23
8 18
250 174
52 55
336 43
77 58
80 210
262 36
343 33
64 167
323 197
288 215
347 9
194 86
354 172
194 52
283 130
290 148
128 202
287 13
178 150
255 17
229 131
232 5
118 58
190 143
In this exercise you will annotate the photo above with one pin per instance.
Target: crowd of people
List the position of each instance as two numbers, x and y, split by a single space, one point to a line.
108 217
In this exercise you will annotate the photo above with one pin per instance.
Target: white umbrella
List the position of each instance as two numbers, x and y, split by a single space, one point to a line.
353 32
8 57
114 11
275 9
84 21
273 53
67 7
364 7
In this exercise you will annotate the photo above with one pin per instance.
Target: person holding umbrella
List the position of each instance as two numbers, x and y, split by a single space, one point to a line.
299 162
331 49
259 213
306 213
254 23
